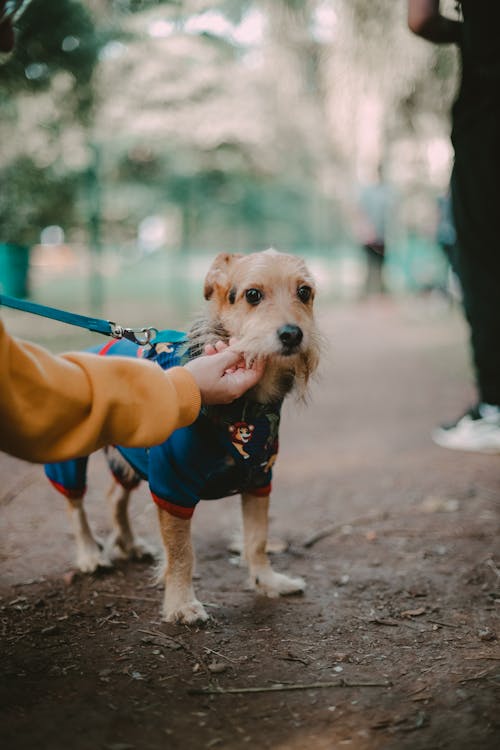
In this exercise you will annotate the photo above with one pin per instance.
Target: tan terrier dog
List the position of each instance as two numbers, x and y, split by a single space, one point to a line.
265 301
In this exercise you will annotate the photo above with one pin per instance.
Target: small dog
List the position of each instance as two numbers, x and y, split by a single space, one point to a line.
265 301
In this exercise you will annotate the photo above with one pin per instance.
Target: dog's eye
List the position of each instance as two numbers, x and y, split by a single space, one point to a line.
253 296
304 293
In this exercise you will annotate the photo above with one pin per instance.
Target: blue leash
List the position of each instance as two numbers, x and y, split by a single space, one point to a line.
142 336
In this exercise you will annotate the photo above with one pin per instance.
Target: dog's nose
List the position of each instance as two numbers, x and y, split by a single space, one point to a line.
290 336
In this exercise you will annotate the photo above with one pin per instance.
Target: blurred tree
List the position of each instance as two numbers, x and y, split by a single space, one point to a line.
46 107
249 119
53 38
190 95
387 102
46 101
21 216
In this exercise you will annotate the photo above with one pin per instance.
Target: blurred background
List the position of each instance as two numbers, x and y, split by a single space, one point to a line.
138 138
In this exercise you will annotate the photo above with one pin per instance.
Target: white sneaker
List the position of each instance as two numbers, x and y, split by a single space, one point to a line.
478 430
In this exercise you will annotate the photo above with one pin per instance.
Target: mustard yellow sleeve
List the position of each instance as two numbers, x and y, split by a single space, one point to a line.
58 407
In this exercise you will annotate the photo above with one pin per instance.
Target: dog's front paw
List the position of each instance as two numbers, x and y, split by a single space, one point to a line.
90 558
187 612
274 584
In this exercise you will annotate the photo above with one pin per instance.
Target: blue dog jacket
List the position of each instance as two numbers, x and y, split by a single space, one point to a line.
228 450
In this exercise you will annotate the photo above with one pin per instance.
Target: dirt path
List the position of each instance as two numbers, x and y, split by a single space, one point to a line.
401 611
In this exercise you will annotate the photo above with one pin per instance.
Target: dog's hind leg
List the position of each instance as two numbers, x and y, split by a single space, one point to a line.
262 577
122 544
180 603
89 553
70 479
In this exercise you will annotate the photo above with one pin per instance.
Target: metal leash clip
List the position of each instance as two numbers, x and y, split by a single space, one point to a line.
140 336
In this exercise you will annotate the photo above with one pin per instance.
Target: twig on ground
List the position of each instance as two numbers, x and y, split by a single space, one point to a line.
299 641
26 480
383 621
127 596
168 677
279 687
104 620
413 626
198 659
482 656
292 657
418 690
211 651
480 676
443 624
334 528
159 634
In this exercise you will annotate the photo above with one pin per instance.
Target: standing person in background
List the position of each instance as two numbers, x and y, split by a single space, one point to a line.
446 238
373 207
446 235
476 199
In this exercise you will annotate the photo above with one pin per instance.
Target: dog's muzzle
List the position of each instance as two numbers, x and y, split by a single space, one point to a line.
291 337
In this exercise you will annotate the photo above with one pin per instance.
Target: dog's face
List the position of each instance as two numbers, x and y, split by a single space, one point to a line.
265 300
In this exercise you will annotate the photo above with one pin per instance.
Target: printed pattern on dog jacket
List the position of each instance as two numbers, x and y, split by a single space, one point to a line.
228 450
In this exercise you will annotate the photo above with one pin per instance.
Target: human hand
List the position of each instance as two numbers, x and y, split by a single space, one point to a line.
222 375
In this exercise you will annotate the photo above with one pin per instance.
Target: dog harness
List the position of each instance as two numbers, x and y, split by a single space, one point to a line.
229 449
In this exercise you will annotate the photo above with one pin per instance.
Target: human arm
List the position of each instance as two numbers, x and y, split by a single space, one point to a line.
57 407
425 20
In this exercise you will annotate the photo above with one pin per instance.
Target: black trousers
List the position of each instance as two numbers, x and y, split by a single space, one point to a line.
476 207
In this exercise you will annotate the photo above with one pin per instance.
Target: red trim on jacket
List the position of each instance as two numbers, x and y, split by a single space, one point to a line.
105 349
260 491
67 492
179 511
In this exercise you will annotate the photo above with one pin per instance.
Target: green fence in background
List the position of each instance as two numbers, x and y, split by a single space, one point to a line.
165 288
14 269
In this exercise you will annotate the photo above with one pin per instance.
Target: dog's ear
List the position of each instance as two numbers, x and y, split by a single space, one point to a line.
217 276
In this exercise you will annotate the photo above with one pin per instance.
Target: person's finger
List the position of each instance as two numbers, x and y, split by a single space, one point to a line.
243 379
227 358
209 349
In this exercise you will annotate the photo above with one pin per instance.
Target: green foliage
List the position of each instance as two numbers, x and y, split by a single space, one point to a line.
31 198
53 37
255 140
